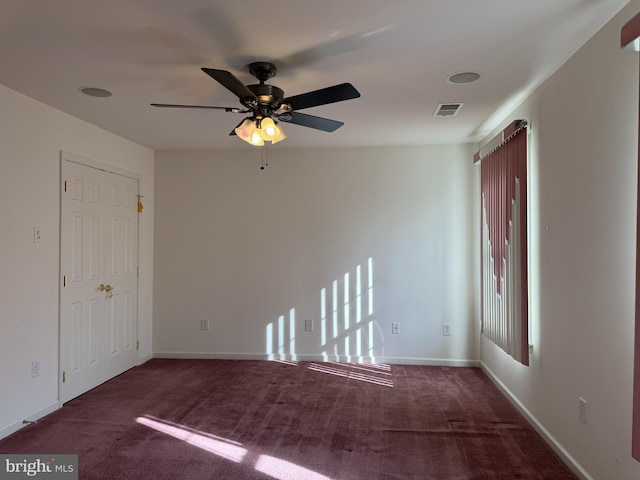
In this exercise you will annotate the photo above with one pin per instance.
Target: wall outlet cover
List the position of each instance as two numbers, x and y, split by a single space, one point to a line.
582 410
35 368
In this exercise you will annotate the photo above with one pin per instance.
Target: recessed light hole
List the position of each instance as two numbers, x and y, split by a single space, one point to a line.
464 77
95 92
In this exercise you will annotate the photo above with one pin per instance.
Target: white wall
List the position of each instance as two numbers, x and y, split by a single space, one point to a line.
244 246
584 141
32 136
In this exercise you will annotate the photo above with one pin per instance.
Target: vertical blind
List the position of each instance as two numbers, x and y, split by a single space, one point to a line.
505 302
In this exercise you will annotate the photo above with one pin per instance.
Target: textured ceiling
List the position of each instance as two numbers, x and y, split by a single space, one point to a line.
397 54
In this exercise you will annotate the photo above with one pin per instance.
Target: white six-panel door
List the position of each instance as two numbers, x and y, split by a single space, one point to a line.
99 293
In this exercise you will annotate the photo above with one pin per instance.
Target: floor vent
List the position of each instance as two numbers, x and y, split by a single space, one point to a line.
447 109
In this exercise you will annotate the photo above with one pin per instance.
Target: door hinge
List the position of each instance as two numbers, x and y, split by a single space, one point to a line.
137 344
64 280
64 377
138 272
65 185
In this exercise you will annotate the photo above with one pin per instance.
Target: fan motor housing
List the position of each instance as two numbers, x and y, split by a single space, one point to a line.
268 95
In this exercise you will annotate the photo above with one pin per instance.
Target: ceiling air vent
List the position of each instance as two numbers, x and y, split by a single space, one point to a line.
447 109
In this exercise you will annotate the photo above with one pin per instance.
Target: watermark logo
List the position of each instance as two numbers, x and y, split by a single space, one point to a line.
50 467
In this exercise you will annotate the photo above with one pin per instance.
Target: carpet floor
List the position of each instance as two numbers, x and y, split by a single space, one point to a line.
259 420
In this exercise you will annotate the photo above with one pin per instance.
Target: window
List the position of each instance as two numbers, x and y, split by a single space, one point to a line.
505 305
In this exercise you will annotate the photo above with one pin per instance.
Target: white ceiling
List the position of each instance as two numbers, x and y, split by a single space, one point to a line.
398 54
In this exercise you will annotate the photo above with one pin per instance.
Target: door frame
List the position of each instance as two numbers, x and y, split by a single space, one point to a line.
105 167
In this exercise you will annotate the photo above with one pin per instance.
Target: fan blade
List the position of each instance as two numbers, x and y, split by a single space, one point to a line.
337 93
230 82
171 105
311 121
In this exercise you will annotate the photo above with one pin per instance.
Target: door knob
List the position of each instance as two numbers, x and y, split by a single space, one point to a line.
106 288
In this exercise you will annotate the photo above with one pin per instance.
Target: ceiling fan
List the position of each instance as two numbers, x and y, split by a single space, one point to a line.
267 104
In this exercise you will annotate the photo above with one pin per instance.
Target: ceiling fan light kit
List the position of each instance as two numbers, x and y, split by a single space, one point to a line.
257 131
268 106
247 131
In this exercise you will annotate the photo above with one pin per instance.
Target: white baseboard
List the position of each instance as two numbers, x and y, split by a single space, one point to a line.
144 358
439 362
212 356
14 427
433 362
566 457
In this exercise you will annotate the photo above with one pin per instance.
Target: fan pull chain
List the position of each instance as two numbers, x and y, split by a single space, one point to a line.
264 158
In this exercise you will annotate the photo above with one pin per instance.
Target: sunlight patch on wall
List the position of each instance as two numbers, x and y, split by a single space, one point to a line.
269 338
323 317
370 295
292 333
345 323
285 331
347 311
370 265
353 336
323 323
281 336
359 312
335 309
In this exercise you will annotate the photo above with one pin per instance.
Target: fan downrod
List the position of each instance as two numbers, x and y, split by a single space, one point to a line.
263 71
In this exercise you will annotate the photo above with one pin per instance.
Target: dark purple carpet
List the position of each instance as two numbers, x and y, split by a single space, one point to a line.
223 419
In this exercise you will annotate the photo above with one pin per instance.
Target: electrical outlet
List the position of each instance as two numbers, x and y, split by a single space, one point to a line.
204 324
395 328
446 329
582 410
37 235
35 368
308 325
